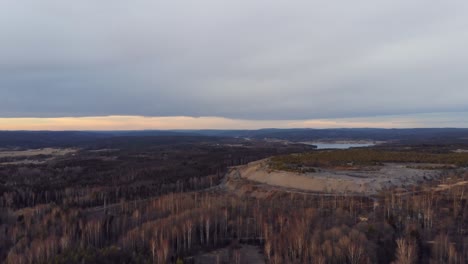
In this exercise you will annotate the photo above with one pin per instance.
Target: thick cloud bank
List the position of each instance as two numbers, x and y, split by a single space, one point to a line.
236 59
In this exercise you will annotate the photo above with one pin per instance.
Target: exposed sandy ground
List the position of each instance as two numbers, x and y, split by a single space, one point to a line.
248 255
341 181
443 187
27 156
103 150
36 152
26 161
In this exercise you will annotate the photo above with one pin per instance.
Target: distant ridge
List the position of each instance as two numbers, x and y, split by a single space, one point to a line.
38 139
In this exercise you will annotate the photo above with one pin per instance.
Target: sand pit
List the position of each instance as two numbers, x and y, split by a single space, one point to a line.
364 181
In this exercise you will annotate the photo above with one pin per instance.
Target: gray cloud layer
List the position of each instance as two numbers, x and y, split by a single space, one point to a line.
238 59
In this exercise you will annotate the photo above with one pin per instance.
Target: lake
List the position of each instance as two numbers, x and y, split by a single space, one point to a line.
322 145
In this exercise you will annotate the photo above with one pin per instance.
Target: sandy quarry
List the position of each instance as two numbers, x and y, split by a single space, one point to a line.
326 180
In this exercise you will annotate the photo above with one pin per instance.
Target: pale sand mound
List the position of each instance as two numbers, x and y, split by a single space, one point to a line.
368 182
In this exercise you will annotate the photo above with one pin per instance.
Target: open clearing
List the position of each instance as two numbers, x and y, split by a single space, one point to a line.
245 254
368 180
36 152
33 156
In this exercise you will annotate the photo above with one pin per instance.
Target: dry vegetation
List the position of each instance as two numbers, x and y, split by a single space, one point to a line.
33 156
153 212
364 157
36 152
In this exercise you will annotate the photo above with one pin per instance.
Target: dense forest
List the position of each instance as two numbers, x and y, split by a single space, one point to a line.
162 202
415 136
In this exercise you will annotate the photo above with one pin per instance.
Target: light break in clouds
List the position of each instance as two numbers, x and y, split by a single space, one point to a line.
185 122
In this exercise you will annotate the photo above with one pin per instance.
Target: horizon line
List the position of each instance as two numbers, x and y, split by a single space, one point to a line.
229 129
170 123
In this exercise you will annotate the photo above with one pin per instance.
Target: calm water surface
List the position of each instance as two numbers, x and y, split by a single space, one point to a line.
321 145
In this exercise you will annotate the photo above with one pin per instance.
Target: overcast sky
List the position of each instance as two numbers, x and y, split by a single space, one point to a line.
244 60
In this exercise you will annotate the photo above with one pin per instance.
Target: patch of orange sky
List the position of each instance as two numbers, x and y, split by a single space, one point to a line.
186 122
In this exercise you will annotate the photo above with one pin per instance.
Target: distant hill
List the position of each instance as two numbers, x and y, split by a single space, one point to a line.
39 139
401 135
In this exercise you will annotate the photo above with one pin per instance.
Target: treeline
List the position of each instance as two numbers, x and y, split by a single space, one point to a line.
177 226
424 226
165 205
91 177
